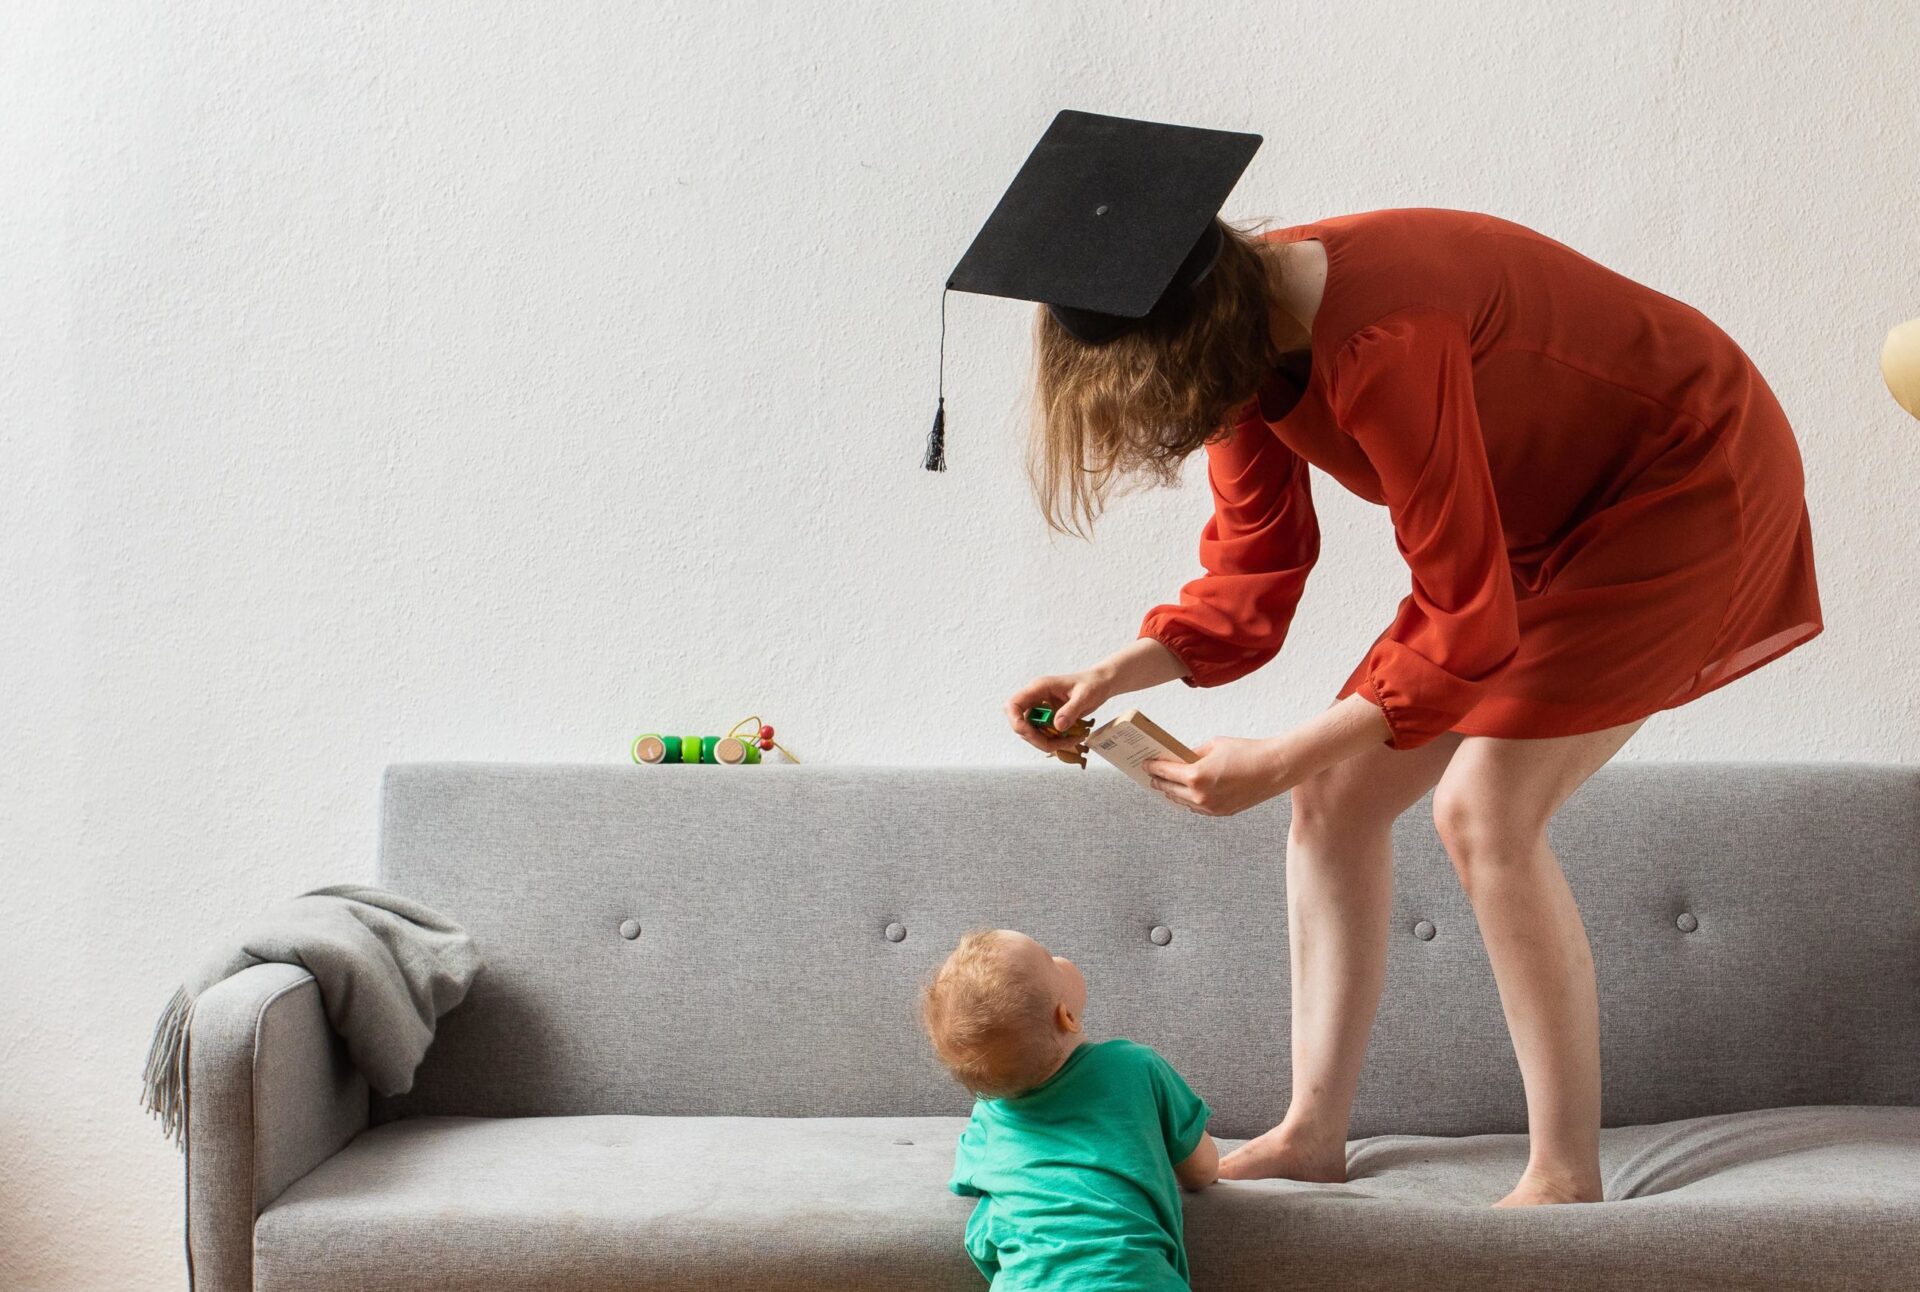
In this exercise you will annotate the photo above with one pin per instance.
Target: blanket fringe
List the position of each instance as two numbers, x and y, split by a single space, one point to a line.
165 1080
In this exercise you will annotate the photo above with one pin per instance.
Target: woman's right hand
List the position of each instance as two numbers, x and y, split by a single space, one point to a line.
1071 696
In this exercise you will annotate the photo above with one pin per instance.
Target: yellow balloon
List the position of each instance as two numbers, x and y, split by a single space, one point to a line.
1900 365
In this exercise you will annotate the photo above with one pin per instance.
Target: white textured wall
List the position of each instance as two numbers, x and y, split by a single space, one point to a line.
493 381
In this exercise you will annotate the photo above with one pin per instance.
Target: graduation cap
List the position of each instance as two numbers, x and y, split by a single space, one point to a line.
1110 224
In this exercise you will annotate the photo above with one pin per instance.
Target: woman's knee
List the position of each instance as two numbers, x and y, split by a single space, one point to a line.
1332 805
1482 831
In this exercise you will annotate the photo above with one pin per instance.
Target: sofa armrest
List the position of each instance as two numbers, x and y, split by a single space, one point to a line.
271 1095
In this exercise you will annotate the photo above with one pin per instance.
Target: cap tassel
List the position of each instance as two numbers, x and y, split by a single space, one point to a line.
936 459
937 440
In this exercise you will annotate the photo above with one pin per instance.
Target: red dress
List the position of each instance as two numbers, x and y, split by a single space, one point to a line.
1599 498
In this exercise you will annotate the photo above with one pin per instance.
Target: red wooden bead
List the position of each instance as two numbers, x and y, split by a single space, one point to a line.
766 744
766 733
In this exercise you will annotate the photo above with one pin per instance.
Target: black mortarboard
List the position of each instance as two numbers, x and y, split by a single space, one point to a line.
1109 223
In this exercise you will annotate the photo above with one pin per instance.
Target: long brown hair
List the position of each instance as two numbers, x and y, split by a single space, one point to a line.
1140 403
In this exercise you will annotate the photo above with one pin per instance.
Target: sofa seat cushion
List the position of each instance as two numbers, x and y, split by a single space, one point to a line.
599 1204
1803 1198
1799 1197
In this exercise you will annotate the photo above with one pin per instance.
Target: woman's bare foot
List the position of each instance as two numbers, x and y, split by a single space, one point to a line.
1286 1154
1539 1188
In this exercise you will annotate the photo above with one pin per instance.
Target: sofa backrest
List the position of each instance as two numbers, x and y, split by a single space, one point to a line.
677 940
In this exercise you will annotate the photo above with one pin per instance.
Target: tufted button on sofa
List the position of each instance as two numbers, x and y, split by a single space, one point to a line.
692 1060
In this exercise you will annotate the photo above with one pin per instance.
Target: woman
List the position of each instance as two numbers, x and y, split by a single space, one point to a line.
1600 503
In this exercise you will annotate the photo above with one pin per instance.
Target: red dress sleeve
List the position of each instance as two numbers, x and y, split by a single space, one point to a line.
1256 550
1403 389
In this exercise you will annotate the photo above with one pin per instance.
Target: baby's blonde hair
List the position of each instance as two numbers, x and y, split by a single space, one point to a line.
990 1021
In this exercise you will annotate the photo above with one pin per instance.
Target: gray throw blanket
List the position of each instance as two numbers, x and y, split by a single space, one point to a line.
388 968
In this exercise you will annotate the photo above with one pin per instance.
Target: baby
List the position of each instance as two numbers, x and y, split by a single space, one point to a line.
1075 1149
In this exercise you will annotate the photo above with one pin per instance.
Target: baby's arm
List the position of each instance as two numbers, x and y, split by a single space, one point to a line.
1202 1166
1183 1121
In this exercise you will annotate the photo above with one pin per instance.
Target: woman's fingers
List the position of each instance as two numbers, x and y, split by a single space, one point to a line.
1174 789
1017 720
1054 692
1071 696
1042 690
1074 707
1230 775
1171 770
1179 782
1181 797
1039 739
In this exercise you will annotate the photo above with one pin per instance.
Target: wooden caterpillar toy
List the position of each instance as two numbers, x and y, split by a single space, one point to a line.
735 749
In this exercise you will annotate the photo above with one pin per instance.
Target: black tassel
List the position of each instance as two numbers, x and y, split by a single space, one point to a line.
937 440
936 459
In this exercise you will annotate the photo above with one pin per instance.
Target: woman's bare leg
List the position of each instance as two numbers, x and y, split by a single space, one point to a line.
1339 900
1492 807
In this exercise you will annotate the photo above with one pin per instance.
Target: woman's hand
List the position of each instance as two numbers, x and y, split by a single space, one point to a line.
1071 696
1231 776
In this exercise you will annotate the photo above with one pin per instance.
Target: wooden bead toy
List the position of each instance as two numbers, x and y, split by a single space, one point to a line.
731 751
740 747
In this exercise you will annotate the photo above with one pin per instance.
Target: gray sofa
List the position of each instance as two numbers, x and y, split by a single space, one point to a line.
692 1062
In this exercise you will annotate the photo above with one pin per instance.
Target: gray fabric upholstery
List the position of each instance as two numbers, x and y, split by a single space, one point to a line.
272 1095
762 980
1811 1197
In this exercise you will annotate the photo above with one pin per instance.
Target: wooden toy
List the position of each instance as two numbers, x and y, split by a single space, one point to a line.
1041 716
740 747
656 749
731 751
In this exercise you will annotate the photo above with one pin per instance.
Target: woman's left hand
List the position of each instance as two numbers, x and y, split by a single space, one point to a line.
1230 776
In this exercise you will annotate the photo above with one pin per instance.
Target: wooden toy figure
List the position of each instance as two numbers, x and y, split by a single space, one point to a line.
1042 716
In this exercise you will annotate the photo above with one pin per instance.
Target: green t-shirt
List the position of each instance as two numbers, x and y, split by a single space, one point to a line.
1075 1177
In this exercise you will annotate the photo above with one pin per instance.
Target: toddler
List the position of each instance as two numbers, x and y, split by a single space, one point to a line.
1076 1150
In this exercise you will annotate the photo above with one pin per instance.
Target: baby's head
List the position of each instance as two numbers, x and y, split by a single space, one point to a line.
1003 1012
